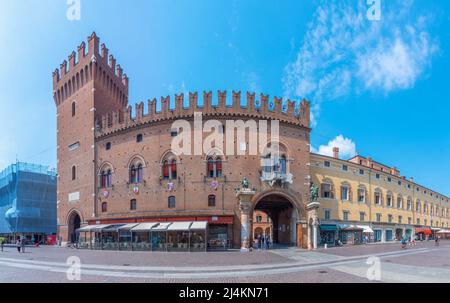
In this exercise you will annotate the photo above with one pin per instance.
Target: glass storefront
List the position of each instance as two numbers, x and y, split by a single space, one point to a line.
163 236
218 237
96 240
198 238
159 241
178 240
328 234
352 237
110 240
141 241
125 241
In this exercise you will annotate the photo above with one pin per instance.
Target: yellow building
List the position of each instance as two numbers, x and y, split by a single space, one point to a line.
363 200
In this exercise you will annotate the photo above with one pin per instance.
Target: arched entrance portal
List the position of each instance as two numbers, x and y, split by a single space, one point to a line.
74 223
283 218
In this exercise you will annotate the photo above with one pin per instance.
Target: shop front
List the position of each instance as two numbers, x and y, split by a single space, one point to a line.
148 236
368 234
409 233
378 235
328 234
218 237
389 235
444 234
423 233
178 236
398 234
434 232
141 235
350 234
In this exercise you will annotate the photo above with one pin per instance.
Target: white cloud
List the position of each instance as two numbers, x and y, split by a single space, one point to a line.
344 53
347 148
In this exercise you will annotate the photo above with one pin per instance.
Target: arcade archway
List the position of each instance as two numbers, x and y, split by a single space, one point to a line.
74 223
283 218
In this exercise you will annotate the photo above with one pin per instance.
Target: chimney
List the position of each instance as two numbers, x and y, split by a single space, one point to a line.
336 152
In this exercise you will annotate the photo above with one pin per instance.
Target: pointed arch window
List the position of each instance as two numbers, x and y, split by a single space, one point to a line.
276 164
173 169
218 167
283 164
140 173
210 167
166 172
106 178
214 167
169 167
136 173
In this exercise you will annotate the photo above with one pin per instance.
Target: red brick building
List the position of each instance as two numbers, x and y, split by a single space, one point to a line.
115 167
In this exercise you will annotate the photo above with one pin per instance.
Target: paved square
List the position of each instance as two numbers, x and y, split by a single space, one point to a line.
423 263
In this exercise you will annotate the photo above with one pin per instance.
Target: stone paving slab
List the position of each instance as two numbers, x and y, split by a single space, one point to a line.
355 250
424 263
137 258
17 275
396 273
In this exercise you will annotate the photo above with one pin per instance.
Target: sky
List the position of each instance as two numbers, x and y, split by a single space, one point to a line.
376 76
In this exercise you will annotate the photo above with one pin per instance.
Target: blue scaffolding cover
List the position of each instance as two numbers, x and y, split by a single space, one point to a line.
27 199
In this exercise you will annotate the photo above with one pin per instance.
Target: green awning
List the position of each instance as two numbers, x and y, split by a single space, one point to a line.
328 227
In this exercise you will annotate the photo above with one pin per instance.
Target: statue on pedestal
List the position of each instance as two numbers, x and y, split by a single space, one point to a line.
245 184
314 192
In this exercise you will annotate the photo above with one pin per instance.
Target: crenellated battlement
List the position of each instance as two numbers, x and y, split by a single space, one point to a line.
95 64
249 107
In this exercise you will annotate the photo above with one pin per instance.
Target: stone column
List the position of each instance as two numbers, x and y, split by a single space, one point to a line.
245 206
315 232
313 217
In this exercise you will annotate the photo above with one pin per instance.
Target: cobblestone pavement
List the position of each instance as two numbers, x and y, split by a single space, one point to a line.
422 263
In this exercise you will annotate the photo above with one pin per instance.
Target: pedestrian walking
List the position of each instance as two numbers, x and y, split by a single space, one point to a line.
2 243
22 245
436 241
403 241
18 245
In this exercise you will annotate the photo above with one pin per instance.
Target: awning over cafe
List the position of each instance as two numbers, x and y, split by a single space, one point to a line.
127 227
349 227
144 227
199 225
444 231
95 228
112 228
161 226
328 227
365 228
179 226
425 230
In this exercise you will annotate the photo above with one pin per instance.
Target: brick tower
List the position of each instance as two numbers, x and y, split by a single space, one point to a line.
90 86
